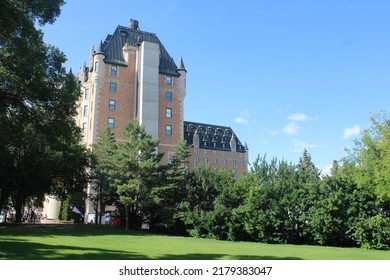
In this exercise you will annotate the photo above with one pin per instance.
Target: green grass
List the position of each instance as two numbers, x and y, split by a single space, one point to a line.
85 242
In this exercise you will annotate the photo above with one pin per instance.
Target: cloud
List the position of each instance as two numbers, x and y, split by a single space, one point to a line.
352 131
300 146
273 132
299 117
242 120
326 170
243 117
291 128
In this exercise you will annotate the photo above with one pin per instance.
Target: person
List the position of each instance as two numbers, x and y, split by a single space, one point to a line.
107 217
9 216
32 218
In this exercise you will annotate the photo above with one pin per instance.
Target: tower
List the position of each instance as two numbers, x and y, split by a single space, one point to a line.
131 76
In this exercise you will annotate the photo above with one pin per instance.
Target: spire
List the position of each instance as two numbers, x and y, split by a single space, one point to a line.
100 48
181 65
92 51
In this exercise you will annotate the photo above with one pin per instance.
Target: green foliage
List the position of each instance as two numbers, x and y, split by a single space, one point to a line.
128 167
165 196
40 146
276 202
101 172
373 233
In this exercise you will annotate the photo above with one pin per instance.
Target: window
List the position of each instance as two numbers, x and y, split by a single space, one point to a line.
84 127
196 142
196 159
111 105
224 153
114 70
112 87
205 152
168 113
96 66
86 93
85 111
196 150
233 162
111 122
241 155
233 154
215 152
224 162
206 160
168 96
215 161
168 80
243 163
168 130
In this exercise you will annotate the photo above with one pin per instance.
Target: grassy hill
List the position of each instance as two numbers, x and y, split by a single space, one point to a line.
88 242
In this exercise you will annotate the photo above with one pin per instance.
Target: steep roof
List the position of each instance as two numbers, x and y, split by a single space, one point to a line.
212 136
113 44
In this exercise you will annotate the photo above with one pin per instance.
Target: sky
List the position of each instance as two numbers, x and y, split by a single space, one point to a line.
284 75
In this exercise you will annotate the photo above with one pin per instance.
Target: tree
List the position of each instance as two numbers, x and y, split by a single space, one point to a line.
102 171
170 192
135 168
40 148
371 161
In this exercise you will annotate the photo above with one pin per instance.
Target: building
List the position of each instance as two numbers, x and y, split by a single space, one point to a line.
130 75
216 146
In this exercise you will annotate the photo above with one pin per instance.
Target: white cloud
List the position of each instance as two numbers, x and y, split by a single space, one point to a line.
291 128
242 120
326 170
243 117
273 132
300 146
299 117
352 131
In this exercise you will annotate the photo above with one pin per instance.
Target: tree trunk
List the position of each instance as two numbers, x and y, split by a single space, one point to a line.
127 208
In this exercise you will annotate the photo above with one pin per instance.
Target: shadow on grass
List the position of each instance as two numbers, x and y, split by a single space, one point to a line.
65 230
14 248
19 250
222 257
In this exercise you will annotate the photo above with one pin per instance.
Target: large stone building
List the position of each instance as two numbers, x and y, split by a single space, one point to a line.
217 146
130 75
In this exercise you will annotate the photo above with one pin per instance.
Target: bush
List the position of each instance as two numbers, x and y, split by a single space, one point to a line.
373 233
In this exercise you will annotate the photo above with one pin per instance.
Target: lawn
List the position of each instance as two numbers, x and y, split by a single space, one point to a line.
88 242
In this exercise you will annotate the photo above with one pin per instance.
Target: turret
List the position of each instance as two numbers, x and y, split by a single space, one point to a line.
98 63
91 54
181 88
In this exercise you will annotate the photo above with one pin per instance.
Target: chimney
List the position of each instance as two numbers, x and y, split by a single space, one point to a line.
134 24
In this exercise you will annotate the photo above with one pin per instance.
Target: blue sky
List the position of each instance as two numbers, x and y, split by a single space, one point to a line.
285 75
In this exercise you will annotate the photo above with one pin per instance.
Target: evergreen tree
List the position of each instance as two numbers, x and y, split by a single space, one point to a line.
102 171
135 170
